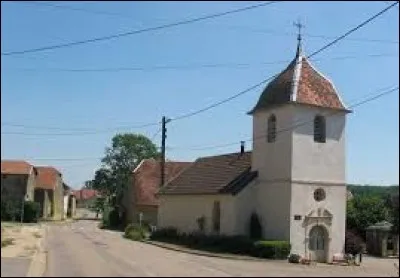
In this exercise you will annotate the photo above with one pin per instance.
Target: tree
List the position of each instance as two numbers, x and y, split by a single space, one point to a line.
363 211
394 211
124 155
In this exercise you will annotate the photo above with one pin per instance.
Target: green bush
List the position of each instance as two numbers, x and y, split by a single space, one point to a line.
227 244
294 258
113 218
271 249
31 212
10 210
255 227
135 232
165 234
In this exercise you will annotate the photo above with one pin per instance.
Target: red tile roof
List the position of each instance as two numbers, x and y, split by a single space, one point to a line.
47 177
300 83
85 194
17 167
227 173
146 179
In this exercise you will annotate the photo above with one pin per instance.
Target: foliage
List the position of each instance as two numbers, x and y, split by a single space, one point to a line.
353 243
135 232
294 258
11 210
31 212
394 212
165 234
365 210
126 152
272 249
255 227
222 243
7 241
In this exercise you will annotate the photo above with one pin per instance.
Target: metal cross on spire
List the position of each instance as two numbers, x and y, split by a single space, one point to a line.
299 25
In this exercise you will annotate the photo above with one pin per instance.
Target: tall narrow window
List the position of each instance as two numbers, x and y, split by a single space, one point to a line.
216 216
271 129
319 129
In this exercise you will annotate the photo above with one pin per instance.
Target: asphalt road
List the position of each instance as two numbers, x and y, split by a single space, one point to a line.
81 249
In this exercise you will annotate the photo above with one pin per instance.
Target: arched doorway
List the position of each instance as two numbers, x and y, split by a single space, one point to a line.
318 243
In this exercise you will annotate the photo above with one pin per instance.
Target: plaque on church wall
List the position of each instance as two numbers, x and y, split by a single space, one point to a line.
297 217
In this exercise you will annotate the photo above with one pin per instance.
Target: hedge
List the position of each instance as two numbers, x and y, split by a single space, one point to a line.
11 211
135 232
227 244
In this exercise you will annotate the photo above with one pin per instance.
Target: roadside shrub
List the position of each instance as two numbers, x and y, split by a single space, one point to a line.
255 227
165 234
135 232
353 243
271 249
294 258
10 210
31 212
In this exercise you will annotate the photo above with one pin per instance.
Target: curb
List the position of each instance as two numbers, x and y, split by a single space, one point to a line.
37 266
204 254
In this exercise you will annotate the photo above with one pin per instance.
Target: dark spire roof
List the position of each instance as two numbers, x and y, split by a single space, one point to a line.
300 82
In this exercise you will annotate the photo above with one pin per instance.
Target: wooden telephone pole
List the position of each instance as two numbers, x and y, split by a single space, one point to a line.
163 137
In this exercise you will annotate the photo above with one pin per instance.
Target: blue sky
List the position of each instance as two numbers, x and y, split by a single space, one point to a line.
34 94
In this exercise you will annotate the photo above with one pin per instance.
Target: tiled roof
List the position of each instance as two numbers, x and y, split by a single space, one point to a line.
47 177
16 167
85 194
300 83
227 173
146 179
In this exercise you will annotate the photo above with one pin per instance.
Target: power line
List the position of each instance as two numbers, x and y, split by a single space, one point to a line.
331 113
200 66
286 129
70 8
270 31
80 131
134 32
190 114
88 131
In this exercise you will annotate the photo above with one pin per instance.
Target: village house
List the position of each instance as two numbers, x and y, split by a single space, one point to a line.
50 192
85 200
69 202
140 198
293 180
18 179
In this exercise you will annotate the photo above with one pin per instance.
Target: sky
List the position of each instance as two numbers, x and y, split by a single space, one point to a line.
52 99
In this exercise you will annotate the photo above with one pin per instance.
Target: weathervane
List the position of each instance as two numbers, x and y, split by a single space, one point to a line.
299 25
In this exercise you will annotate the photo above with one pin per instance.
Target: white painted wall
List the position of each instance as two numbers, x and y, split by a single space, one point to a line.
245 205
335 203
312 161
292 167
272 160
182 211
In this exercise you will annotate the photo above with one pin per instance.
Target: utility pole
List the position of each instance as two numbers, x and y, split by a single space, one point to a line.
163 137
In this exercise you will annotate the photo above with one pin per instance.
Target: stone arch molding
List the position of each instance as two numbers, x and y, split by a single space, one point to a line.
318 217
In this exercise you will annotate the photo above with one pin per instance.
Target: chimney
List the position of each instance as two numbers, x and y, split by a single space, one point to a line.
241 147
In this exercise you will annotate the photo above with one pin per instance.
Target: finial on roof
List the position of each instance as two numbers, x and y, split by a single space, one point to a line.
299 26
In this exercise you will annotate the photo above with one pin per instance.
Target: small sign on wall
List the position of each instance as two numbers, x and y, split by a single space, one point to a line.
297 217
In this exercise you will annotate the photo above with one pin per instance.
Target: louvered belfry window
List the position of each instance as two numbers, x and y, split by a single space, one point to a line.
271 129
319 129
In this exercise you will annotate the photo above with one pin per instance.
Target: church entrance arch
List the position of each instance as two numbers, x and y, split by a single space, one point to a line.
318 243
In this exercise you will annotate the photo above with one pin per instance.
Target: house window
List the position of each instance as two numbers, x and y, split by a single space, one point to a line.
216 216
271 129
319 129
